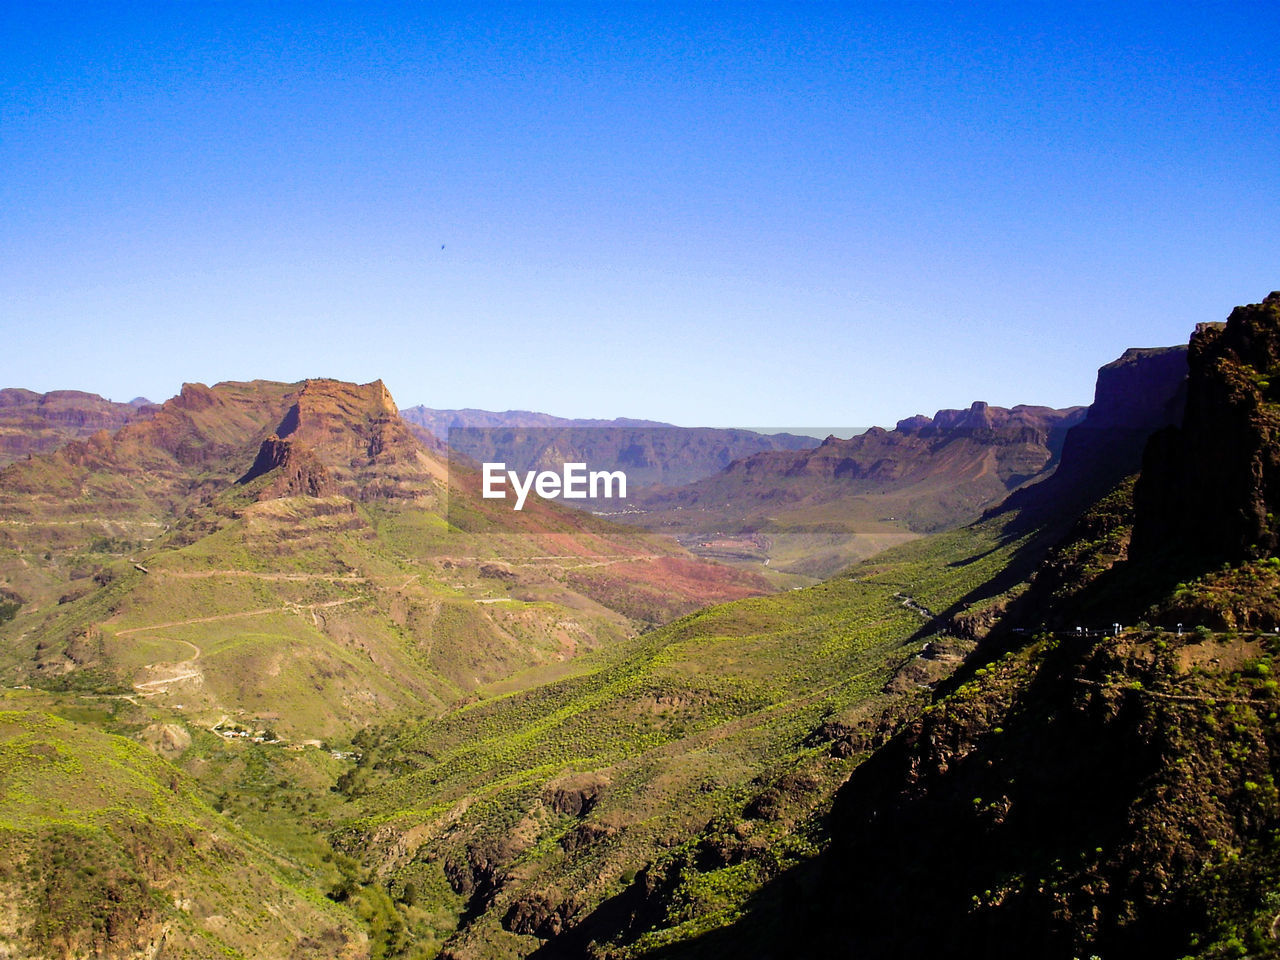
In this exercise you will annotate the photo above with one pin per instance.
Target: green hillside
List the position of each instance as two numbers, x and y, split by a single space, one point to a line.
109 850
530 809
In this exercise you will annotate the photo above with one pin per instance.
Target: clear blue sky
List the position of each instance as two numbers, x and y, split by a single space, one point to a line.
708 214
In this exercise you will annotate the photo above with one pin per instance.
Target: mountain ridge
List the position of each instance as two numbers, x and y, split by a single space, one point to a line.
35 423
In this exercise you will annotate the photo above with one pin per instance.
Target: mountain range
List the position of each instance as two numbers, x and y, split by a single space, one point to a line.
279 681
33 423
815 511
650 452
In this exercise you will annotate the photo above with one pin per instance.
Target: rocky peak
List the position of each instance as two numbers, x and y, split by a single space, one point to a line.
1022 424
331 412
355 431
195 397
914 425
298 471
979 416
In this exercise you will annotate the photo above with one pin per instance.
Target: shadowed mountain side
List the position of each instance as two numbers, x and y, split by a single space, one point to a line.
1143 391
300 472
1211 488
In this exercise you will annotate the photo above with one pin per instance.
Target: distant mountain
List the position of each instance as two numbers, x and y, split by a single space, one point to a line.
650 452
265 500
439 422
32 423
817 510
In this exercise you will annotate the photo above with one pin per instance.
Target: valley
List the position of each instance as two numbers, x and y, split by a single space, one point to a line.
279 681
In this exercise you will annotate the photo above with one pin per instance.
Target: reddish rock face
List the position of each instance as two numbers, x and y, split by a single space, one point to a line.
299 472
33 423
355 432
343 438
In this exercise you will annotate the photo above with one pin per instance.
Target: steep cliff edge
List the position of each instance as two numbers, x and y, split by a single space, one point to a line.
1137 394
1210 489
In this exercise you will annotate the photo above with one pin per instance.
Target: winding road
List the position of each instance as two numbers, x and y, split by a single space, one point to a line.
188 667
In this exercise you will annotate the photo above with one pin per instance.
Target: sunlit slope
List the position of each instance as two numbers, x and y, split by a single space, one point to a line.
109 851
298 613
526 811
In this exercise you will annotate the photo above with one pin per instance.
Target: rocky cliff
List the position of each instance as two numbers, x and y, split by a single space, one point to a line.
1210 489
298 472
346 438
1137 394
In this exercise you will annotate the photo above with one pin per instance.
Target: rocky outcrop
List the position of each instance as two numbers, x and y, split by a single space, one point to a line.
1210 489
540 915
575 796
356 431
297 471
1136 395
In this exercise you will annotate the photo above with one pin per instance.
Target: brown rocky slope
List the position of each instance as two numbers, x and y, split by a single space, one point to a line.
35 423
